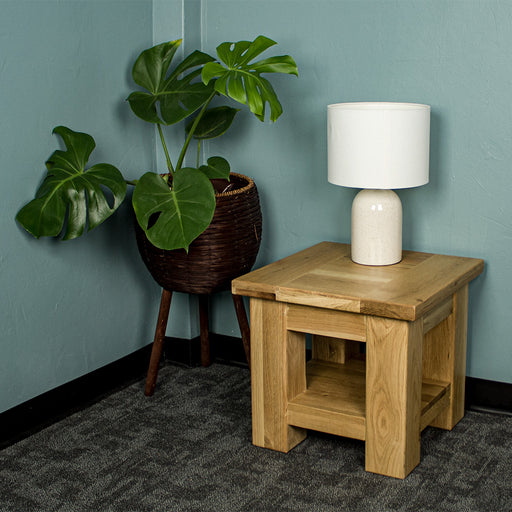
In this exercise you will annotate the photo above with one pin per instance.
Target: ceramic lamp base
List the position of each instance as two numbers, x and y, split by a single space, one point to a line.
376 227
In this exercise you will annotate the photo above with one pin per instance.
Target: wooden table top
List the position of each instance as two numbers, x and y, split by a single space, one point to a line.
325 276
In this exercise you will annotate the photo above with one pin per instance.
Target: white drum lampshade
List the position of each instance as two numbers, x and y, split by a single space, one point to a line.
378 147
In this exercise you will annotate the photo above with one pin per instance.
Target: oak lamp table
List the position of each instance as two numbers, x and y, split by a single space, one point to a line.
412 317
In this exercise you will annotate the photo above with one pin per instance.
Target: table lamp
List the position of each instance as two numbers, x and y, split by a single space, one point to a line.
378 147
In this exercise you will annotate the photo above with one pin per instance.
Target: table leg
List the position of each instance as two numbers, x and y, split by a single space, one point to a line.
278 374
445 358
334 350
393 395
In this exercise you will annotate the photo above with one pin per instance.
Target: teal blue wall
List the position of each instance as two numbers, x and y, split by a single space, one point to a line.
455 56
69 308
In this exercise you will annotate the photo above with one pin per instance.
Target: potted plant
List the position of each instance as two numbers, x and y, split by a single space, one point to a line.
197 226
173 208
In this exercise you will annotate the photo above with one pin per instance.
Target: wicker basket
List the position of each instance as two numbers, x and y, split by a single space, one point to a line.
227 249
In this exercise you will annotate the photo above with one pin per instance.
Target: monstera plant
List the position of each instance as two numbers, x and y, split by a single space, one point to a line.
175 207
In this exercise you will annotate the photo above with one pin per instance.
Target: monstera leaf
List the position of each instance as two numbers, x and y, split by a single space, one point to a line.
216 168
172 217
241 80
69 192
213 123
169 98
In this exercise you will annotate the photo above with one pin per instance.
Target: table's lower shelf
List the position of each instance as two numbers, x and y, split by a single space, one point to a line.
334 401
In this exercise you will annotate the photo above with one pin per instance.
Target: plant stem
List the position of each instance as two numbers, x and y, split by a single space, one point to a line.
198 152
164 145
131 182
192 130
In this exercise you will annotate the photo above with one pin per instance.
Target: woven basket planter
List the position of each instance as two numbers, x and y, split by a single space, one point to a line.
227 249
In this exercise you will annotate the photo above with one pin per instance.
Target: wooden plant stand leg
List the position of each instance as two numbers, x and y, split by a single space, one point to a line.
158 342
203 325
244 326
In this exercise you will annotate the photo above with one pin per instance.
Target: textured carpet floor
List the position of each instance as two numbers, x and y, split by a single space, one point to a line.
188 448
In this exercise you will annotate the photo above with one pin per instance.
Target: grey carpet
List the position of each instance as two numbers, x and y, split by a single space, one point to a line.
188 448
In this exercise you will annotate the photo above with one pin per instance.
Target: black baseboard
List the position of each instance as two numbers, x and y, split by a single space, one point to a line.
223 349
54 405
48 408
488 396
32 416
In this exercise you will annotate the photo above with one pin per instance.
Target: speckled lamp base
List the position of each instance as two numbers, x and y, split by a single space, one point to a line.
376 227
